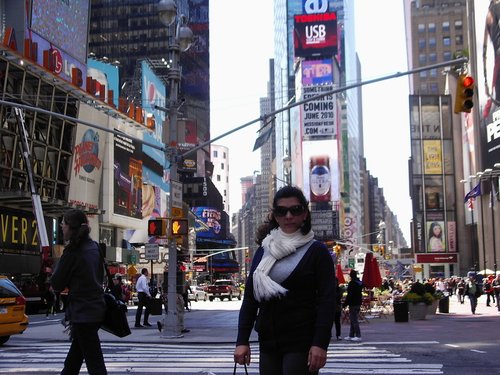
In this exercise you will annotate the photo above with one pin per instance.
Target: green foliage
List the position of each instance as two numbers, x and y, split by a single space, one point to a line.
413 297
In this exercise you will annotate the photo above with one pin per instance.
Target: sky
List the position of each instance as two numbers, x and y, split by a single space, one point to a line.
241 44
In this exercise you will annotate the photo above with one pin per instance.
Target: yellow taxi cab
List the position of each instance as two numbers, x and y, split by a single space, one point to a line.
13 318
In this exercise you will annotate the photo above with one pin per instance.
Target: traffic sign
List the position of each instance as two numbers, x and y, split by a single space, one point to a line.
152 251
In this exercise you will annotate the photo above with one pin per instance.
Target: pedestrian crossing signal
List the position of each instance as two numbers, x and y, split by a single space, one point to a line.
179 227
464 94
157 227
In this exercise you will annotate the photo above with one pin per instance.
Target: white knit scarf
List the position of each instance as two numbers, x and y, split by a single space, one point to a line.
276 245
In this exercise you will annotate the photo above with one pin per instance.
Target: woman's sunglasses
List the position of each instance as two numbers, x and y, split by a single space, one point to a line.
281 211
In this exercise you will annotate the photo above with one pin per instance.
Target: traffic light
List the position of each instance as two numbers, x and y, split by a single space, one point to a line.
179 227
464 94
157 227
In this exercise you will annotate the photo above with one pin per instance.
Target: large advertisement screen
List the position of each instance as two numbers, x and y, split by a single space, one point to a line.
315 34
63 23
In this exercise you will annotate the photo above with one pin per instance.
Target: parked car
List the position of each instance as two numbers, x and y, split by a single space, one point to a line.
198 294
13 318
223 289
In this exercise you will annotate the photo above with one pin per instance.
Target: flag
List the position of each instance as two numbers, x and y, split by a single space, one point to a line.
471 203
475 192
265 134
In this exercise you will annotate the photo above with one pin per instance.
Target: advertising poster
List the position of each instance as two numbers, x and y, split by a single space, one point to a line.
87 164
321 171
488 78
436 237
432 157
317 72
127 172
107 75
153 93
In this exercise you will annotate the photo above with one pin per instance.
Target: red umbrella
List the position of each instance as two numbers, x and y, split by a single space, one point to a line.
376 272
340 274
369 273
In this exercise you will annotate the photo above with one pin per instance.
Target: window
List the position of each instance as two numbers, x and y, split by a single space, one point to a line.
423 74
446 41
446 26
434 88
432 42
447 56
458 25
433 72
215 154
222 166
459 40
218 177
432 27
422 59
421 43
223 155
421 27
432 57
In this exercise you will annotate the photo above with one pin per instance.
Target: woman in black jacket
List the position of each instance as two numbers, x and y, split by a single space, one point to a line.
289 294
80 269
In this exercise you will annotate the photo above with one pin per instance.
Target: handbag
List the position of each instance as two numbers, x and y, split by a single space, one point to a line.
234 371
115 320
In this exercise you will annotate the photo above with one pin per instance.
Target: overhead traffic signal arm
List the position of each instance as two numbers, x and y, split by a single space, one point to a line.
464 94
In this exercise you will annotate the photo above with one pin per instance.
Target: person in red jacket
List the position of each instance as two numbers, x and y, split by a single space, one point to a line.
289 294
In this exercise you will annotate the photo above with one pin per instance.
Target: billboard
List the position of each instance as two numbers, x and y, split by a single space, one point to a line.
88 155
432 157
321 171
127 172
315 34
107 75
488 79
63 23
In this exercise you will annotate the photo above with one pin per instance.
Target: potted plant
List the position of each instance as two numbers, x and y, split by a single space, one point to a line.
418 299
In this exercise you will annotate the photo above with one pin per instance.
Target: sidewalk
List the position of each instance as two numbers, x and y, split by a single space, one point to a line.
208 326
216 327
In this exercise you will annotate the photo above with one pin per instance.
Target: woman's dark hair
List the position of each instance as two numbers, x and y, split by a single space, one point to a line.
271 223
431 230
78 224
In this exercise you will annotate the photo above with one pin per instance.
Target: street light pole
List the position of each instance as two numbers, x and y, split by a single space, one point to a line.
179 41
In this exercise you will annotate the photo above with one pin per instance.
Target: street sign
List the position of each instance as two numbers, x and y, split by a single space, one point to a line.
176 194
152 251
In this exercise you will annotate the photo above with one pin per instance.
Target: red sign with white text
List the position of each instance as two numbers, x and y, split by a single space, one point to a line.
436 258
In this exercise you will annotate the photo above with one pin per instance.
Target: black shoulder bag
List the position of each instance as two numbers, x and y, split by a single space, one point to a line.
115 320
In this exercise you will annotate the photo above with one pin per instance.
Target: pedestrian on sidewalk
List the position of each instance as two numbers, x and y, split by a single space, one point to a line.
49 298
338 309
81 270
496 289
461 290
488 289
289 294
353 300
473 291
144 296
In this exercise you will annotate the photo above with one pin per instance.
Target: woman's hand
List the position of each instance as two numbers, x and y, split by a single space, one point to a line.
316 358
242 354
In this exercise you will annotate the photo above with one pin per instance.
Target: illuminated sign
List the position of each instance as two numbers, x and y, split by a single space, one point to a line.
315 34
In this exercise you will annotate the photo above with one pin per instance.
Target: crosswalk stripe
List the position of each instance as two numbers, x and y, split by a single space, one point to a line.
153 358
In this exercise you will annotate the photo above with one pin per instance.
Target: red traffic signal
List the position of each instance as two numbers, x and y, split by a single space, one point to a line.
179 227
464 94
157 227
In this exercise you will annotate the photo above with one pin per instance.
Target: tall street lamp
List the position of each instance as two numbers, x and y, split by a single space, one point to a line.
180 40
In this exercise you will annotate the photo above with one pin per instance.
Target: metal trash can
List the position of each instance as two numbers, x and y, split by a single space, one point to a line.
444 305
400 311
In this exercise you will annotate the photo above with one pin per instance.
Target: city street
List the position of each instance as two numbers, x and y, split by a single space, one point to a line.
457 343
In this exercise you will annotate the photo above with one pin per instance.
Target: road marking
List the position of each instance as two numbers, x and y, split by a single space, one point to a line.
478 351
154 358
